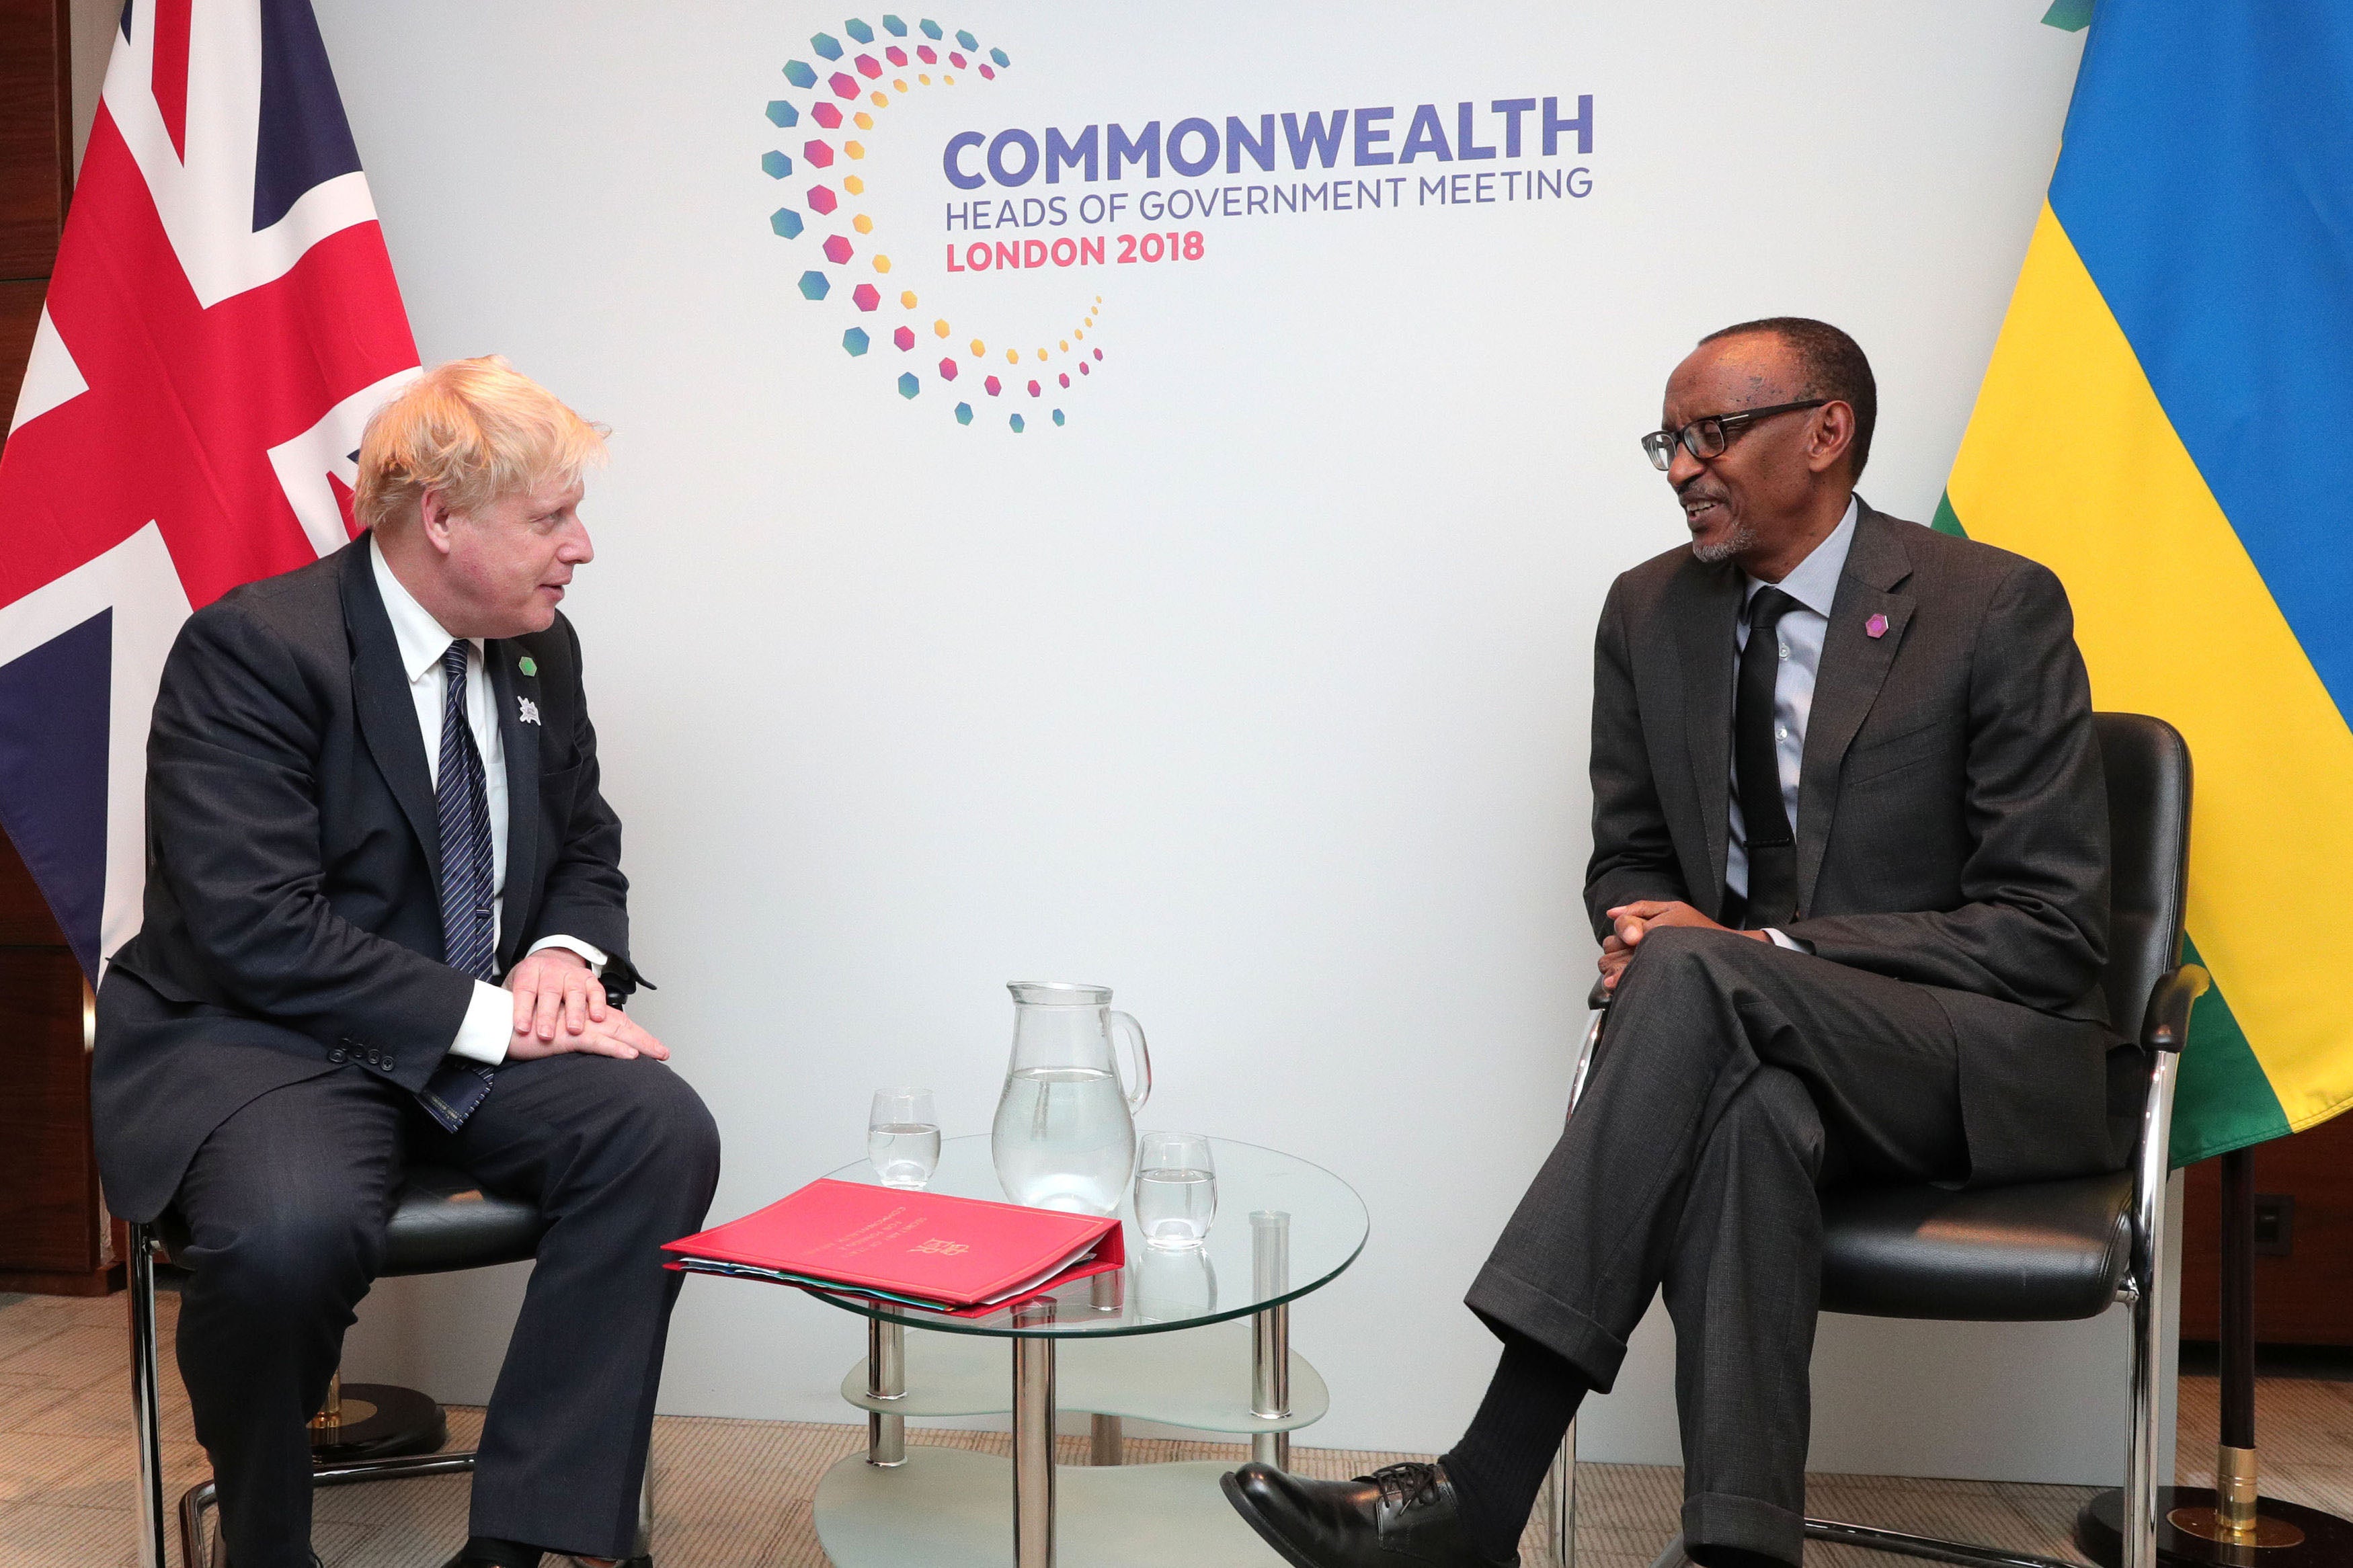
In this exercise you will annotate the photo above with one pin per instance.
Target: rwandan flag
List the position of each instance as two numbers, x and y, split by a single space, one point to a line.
2168 423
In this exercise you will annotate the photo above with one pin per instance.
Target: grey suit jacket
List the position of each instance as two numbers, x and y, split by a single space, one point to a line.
293 917
1952 815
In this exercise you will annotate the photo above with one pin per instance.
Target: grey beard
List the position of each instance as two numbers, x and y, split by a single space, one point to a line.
1724 549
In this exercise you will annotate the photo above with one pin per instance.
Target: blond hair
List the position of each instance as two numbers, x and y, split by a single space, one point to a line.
473 431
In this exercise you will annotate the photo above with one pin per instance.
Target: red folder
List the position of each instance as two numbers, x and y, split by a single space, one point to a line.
956 1255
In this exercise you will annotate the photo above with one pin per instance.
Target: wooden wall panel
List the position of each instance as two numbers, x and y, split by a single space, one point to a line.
20 313
2306 1296
36 127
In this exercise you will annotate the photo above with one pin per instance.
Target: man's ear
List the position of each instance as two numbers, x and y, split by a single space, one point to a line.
1832 434
433 517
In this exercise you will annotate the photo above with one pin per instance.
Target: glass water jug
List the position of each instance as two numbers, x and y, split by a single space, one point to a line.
1065 1131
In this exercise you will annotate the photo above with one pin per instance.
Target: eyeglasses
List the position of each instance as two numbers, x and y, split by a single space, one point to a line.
1708 436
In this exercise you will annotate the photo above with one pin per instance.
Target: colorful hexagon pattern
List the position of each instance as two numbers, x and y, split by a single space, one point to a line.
843 88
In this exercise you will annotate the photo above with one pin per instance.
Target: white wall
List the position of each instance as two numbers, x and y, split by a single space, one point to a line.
1260 691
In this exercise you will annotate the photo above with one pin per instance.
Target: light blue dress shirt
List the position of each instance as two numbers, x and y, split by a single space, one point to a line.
1813 582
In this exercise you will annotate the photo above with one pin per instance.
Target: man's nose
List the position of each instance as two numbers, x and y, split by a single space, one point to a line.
1683 468
577 550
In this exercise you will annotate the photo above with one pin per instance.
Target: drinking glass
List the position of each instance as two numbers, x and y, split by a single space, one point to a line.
1176 1189
902 1137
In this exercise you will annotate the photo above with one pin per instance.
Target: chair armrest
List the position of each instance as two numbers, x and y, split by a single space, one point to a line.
2166 1025
1598 999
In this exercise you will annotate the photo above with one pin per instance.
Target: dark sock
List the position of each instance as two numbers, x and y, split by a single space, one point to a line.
1499 1464
1732 1557
505 1553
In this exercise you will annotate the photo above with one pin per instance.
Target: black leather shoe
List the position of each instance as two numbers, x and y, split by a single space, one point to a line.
1397 1516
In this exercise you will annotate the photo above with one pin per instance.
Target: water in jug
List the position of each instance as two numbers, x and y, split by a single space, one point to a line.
1065 1131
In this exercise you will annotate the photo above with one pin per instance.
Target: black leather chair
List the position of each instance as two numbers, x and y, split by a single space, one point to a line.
443 1221
2052 1250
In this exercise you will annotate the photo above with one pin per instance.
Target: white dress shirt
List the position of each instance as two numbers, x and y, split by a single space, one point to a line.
1813 582
490 1017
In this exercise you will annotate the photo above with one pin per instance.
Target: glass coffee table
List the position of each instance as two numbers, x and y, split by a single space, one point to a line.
1199 1338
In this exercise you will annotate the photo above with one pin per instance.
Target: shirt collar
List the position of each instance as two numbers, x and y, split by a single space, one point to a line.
422 639
1814 581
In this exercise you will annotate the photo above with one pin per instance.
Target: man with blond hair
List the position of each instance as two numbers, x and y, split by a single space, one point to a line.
385 922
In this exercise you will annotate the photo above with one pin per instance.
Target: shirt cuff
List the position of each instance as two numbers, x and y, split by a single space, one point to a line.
489 1021
1780 940
596 957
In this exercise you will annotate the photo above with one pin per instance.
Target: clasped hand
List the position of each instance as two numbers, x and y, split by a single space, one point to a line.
559 1005
1629 921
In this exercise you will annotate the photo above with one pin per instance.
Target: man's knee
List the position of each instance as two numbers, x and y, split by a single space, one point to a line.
669 1128
1773 1108
302 1253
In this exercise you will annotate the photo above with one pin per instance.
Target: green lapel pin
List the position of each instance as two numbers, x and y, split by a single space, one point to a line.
528 665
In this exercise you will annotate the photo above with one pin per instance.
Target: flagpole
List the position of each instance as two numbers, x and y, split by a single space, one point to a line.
2228 1525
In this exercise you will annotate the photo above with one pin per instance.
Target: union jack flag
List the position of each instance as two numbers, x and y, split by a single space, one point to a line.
221 321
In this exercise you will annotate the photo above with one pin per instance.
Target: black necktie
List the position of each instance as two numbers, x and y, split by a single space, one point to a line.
468 886
1772 851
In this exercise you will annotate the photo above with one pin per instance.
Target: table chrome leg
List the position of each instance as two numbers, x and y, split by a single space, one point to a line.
1033 1440
886 1378
1270 1334
1106 1441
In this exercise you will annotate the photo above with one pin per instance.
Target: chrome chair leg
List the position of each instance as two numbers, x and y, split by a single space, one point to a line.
1563 1483
146 1391
645 1541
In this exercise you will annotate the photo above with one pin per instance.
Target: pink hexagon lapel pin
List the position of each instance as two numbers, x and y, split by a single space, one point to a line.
1875 628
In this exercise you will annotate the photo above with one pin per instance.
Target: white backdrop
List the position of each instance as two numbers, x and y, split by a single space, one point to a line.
1258 691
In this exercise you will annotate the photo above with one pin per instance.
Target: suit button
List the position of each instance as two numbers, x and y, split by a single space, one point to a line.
338 1056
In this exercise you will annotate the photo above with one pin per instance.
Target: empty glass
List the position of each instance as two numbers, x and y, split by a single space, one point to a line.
902 1137
1176 1189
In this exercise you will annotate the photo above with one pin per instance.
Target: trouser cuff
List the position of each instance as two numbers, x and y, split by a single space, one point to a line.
1505 1300
1720 1518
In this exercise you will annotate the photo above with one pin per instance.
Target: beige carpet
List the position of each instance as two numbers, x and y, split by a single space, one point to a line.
735 1494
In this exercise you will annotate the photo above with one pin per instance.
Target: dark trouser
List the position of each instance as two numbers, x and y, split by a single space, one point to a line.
285 1206
1736 1080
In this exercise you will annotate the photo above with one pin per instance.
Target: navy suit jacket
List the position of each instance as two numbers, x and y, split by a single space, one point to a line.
293 918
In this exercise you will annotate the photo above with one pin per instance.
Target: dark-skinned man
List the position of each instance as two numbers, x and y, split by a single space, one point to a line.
1850 871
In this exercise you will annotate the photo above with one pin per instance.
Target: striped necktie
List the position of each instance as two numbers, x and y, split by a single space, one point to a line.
468 886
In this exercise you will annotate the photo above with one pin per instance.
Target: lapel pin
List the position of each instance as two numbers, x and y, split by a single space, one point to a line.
1875 628
531 709
528 665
